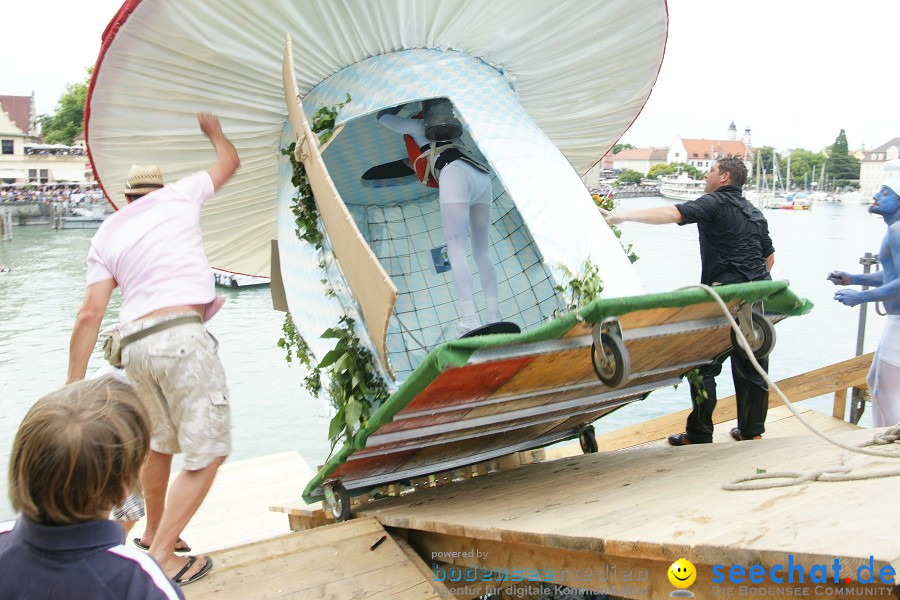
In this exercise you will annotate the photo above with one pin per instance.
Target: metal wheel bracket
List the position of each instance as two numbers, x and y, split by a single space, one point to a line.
609 355
745 322
587 439
337 499
600 331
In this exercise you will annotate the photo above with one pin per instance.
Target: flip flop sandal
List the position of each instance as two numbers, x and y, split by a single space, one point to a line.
137 542
198 575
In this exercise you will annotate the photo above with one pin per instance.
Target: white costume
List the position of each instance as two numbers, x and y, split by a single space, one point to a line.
465 196
884 376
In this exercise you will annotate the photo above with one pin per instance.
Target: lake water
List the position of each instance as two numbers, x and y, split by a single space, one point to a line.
271 411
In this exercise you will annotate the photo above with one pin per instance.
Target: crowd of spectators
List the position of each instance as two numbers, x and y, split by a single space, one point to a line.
81 193
54 150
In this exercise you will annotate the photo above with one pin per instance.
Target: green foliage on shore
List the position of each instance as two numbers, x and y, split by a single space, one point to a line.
692 171
660 170
843 167
67 122
807 165
630 176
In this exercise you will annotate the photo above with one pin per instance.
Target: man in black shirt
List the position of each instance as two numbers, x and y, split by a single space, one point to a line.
735 247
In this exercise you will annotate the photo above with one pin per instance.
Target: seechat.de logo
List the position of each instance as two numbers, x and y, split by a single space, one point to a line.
682 575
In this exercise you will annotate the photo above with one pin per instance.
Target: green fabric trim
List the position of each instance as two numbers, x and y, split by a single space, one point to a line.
776 297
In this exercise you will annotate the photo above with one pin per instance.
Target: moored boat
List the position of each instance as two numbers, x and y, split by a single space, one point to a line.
238 280
682 187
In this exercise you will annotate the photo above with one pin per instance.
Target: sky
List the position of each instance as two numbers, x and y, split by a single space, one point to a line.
795 71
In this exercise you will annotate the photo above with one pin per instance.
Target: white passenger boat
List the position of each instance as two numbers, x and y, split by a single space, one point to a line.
682 187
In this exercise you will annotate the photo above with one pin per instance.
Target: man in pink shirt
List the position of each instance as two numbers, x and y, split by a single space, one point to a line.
152 249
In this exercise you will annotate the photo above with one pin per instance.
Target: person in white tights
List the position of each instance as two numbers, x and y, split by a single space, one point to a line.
465 197
884 286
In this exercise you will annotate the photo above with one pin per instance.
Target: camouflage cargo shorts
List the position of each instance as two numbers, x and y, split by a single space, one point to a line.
178 375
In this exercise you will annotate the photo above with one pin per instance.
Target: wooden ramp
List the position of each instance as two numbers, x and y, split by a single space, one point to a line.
343 561
638 510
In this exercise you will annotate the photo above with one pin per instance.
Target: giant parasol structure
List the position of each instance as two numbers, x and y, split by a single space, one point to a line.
582 70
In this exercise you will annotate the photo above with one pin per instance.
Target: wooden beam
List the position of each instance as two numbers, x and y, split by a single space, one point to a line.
827 380
528 565
440 589
354 559
839 409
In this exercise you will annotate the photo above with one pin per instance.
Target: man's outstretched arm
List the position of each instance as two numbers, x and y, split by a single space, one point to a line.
227 159
658 215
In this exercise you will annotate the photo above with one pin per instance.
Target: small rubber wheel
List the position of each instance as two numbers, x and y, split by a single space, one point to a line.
588 440
765 337
615 369
338 500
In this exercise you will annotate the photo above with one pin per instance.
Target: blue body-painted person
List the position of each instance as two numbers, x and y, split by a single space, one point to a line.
465 198
77 453
884 375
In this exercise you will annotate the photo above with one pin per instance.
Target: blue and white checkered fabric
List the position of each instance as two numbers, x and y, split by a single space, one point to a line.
543 216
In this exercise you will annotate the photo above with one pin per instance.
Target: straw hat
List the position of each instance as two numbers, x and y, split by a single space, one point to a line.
143 180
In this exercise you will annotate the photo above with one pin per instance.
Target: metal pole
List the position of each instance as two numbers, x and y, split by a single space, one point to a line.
857 399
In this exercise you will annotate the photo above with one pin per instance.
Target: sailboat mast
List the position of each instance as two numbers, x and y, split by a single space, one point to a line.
787 186
758 171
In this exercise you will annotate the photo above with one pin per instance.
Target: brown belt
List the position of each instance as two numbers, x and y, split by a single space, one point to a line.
137 335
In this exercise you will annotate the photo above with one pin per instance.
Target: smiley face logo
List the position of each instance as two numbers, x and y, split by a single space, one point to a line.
682 573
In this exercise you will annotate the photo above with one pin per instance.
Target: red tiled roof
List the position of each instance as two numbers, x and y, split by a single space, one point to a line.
19 110
710 148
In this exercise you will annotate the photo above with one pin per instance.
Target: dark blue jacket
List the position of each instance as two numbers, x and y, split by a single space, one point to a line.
85 561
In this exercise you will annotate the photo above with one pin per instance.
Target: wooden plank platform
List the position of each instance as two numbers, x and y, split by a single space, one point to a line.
236 510
338 562
828 379
645 507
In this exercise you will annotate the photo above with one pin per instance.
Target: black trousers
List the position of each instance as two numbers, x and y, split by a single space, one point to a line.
750 388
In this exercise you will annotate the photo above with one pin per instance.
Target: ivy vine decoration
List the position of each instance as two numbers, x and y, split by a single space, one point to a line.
610 204
696 379
356 388
293 343
582 288
303 205
325 118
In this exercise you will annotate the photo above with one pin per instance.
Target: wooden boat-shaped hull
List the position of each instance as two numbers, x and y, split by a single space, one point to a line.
476 399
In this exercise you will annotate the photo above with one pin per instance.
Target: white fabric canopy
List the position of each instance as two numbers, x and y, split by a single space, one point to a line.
582 69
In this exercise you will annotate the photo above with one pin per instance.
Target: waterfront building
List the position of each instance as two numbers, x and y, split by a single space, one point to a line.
871 171
599 170
640 159
702 153
24 159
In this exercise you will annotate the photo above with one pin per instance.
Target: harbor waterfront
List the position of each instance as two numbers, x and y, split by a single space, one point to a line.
271 412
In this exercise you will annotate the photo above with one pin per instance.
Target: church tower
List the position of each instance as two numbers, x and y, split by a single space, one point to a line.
732 132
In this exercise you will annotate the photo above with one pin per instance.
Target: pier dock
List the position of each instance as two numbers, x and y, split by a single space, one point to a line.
617 518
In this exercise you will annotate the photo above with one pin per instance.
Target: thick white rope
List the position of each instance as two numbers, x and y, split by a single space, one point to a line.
835 473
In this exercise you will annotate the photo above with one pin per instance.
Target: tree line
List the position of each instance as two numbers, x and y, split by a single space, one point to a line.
840 166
